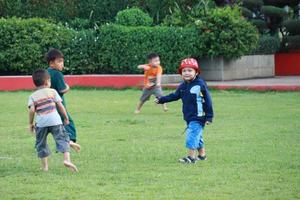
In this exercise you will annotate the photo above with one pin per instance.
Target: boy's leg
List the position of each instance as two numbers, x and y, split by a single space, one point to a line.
45 164
201 149
42 146
62 145
139 107
68 163
75 146
145 97
71 129
193 133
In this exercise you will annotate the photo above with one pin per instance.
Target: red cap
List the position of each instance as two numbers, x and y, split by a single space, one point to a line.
190 63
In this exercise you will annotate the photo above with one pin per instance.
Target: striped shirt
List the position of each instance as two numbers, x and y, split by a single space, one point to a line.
44 100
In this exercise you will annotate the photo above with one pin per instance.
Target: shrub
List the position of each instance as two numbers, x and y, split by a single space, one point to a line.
123 48
23 43
267 45
292 26
83 52
225 33
291 43
274 11
133 17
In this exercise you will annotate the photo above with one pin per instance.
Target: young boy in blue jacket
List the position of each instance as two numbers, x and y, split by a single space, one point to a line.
196 107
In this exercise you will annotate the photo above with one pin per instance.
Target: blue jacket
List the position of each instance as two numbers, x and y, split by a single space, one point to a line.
196 100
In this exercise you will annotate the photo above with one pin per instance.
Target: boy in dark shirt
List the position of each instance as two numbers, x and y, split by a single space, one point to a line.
197 108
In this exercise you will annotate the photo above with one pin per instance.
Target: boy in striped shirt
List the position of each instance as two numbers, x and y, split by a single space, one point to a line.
43 104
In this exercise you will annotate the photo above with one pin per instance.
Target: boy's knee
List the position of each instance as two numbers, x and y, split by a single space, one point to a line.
42 153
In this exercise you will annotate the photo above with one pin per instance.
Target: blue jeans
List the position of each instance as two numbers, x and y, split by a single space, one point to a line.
194 138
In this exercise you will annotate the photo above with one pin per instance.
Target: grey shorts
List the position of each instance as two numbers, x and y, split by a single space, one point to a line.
156 91
60 136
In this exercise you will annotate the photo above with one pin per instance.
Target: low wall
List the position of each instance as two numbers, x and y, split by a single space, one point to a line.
220 69
287 64
12 83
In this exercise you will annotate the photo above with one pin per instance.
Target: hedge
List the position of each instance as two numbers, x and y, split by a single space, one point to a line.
267 45
123 48
114 48
24 42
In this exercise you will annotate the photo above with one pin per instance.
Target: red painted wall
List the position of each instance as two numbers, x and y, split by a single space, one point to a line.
11 83
287 64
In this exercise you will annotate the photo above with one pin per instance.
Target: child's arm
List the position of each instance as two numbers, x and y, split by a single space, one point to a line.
158 79
171 97
144 67
60 85
208 108
65 90
63 111
31 118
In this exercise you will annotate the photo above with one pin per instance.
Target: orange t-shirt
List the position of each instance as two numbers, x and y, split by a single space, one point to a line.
150 76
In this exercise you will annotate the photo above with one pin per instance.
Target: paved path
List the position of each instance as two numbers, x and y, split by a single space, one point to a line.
279 83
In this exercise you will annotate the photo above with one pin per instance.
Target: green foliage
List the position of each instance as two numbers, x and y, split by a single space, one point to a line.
123 48
267 45
246 12
253 3
24 42
83 53
79 24
274 11
225 33
260 24
291 42
133 17
292 26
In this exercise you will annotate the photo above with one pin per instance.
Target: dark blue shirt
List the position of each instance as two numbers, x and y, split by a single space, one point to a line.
196 100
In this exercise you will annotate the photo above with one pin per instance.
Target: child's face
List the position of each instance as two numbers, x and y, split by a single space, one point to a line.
154 62
57 64
188 74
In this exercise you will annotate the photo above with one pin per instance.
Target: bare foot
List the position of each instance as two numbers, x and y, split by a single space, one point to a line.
44 169
137 112
75 146
165 109
71 166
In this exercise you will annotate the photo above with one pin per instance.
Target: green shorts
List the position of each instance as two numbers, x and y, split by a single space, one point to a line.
156 91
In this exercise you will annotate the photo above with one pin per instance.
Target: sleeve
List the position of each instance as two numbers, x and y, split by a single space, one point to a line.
30 102
159 70
60 82
171 97
57 98
208 107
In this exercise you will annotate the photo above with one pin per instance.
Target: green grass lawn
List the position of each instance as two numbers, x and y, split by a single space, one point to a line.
253 149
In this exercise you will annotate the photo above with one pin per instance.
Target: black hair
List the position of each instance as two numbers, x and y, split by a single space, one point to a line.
40 77
52 54
152 55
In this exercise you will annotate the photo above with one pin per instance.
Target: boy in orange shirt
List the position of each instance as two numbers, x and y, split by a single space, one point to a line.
152 81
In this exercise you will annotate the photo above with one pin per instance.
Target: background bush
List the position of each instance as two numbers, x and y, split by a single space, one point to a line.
267 45
118 49
23 43
123 48
133 17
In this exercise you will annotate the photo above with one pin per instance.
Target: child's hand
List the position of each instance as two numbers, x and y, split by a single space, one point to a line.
207 123
156 100
66 121
31 128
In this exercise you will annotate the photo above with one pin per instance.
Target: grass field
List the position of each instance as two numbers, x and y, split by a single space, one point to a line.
253 149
